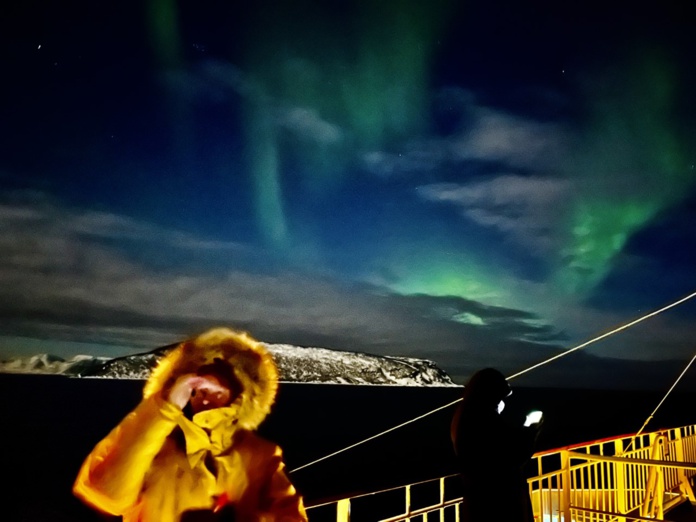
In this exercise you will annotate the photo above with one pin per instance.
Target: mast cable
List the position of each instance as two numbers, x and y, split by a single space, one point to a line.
612 332
375 436
563 354
650 417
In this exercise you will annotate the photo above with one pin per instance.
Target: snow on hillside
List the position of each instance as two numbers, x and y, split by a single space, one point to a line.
295 364
52 364
332 366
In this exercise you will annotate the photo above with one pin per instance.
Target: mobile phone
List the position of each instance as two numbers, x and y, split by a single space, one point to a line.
533 417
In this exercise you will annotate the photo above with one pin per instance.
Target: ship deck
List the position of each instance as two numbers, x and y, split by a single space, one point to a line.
629 477
685 512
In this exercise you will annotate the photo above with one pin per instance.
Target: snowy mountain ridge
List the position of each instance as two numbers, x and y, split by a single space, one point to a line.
52 364
295 364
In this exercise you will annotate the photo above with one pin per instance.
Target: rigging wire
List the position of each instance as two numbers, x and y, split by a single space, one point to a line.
599 338
650 417
374 436
542 363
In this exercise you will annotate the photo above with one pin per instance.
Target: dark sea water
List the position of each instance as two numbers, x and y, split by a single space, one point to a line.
50 423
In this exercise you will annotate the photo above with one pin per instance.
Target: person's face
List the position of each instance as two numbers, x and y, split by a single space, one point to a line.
209 393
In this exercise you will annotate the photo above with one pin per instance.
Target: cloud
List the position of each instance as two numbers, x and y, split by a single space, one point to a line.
480 134
60 280
573 195
501 137
307 124
527 209
219 80
416 158
39 217
67 275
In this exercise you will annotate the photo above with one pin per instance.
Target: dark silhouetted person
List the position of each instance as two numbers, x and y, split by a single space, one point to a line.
189 450
491 451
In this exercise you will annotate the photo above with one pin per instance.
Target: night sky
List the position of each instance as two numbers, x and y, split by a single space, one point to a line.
478 183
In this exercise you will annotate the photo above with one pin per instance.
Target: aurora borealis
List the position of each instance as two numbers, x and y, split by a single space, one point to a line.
476 183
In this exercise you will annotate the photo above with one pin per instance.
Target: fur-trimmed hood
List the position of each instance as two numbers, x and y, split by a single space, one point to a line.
251 363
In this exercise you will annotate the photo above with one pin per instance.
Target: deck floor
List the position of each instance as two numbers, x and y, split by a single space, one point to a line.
684 512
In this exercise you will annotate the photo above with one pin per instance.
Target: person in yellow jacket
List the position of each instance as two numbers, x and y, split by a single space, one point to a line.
189 450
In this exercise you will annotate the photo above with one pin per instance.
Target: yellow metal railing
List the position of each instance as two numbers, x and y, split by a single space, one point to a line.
623 479
429 500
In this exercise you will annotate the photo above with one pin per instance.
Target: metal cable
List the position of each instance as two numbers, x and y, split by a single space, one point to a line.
375 436
603 336
650 417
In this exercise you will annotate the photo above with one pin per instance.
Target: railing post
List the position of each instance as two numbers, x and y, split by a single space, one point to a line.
654 488
343 510
684 484
661 496
565 486
442 498
621 494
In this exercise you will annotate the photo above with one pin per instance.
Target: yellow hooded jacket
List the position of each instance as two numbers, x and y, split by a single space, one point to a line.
157 464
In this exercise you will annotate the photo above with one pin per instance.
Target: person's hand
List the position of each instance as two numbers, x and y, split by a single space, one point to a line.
183 387
203 391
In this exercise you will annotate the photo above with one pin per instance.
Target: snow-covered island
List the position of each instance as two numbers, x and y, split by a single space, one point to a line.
295 363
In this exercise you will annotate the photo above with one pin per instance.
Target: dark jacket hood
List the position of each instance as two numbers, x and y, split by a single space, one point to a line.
486 388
